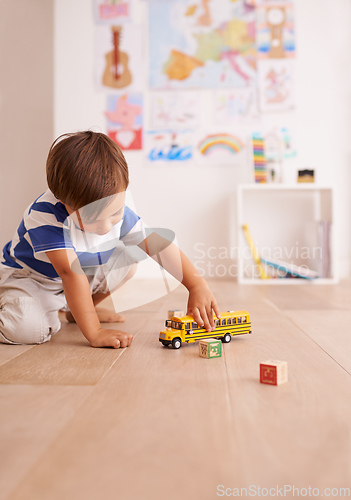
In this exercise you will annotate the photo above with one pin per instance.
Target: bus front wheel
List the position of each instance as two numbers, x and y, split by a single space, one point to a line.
176 343
227 338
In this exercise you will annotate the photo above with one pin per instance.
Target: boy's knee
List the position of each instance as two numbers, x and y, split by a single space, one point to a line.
22 321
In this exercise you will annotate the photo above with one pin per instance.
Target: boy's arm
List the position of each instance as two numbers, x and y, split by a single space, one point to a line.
80 303
201 302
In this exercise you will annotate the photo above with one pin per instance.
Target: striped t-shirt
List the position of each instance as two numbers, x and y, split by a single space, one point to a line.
46 226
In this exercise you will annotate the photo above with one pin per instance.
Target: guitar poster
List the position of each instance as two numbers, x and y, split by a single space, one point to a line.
124 116
119 61
111 11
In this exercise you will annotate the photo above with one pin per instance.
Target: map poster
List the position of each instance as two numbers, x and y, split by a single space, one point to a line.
276 85
176 110
110 11
124 114
235 105
201 43
220 147
119 62
169 147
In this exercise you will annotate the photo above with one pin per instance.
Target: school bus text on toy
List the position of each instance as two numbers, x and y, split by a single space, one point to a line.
185 329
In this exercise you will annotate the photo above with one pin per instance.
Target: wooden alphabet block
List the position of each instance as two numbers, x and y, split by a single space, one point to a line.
175 312
273 372
210 348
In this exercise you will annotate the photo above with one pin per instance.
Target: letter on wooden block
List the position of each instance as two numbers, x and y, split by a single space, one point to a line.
210 348
273 372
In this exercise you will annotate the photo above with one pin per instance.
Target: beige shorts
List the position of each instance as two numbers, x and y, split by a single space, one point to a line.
29 302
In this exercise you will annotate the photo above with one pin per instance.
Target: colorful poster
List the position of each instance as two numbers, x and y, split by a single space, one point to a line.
266 2
276 85
111 11
119 62
275 33
235 105
220 148
176 110
169 147
201 43
124 116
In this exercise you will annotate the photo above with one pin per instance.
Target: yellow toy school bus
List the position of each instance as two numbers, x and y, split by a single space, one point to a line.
185 329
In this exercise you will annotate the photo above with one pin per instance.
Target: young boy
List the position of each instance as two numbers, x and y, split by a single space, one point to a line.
70 249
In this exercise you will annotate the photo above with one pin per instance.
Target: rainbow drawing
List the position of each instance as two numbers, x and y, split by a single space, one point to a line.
223 141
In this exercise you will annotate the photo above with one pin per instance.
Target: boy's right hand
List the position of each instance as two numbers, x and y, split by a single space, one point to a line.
111 338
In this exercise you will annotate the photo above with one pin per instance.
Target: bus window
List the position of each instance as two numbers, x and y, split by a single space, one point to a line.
195 325
176 325
218 322
187 326
223 322
239 320
244 319
229 321
234 321
168 322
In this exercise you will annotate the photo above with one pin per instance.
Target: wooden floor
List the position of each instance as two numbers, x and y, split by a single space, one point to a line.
149 422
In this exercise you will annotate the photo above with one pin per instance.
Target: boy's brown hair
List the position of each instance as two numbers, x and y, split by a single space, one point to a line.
84 167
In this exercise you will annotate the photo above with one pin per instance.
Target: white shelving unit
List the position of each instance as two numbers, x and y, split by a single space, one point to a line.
283 221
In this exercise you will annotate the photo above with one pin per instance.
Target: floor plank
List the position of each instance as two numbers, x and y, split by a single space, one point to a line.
30 419
144 425
330 330
298 431
298 297
8 351
169 424
337 296
67 359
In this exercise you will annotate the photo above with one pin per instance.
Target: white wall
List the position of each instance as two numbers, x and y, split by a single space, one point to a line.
26 106
197 202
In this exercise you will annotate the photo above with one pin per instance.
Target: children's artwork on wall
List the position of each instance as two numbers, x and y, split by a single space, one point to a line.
118 57
176 110
201 43
275 35
255 3
235 105
220 148
124 115
169 147
276 85
112 11
274 150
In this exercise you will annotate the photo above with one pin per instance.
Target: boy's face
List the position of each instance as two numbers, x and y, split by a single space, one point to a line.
110 216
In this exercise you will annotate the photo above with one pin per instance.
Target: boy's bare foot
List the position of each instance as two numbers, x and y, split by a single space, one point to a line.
104 315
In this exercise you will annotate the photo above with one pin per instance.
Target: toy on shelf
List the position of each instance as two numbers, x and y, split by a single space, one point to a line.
305 175
273 372
210 348
175 312
184 329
